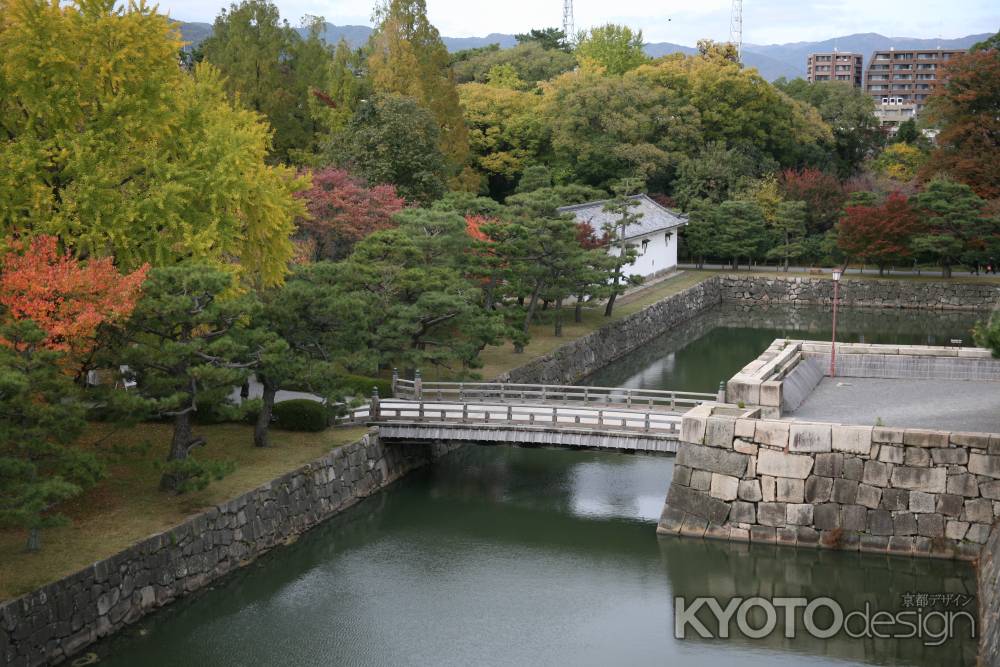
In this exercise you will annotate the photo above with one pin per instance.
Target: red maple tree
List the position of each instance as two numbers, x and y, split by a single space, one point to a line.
68 299
588 238
879 234
343 210
822 192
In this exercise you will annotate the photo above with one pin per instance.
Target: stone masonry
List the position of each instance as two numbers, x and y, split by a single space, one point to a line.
60 619
937 295
579 358
886 490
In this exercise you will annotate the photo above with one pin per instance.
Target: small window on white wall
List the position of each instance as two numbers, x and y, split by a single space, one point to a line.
645 244
668 236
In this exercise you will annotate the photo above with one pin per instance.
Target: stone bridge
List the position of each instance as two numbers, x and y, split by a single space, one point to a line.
608 418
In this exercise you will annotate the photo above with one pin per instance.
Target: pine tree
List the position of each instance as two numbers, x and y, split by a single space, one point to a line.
186 347
41 418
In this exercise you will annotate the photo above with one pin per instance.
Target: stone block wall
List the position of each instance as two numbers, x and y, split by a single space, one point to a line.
874 489
938 295
60 619
583 356
988 587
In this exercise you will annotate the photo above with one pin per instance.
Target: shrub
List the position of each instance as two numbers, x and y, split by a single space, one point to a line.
300 414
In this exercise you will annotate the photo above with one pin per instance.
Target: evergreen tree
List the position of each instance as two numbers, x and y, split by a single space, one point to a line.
956 228
790 225
41 419
621 206
391 139
184 346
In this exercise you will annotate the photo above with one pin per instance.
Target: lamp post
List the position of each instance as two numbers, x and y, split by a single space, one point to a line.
833 344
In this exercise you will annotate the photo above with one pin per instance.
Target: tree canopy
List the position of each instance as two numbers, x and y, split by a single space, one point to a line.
110 146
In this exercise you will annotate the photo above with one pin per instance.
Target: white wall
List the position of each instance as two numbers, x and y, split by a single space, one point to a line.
660 255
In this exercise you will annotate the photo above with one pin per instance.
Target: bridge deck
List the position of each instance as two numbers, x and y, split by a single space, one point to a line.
599 428
548 394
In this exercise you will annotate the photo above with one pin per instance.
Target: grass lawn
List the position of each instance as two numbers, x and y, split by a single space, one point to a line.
500 359
126 506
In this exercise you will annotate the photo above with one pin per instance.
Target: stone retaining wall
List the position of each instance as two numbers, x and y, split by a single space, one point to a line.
58 620
988 585
922 295
874 489
583 356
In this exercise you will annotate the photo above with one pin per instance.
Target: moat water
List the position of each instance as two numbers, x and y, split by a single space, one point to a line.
506 556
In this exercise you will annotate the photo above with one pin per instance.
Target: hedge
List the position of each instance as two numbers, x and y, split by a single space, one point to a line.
300 414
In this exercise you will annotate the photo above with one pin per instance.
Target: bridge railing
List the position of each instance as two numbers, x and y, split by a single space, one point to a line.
520 415
504 392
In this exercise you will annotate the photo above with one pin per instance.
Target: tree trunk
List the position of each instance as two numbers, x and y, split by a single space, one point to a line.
614 291
786 251
559 316
578 309
180 445
532 305
611 304
946 271
489 293
262 427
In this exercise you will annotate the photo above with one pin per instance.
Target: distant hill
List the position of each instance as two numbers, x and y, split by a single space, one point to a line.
794 55
771 60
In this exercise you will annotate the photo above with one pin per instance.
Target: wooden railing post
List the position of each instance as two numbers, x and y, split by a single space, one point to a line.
673 402
418 386
395 382
647 421
465 412
510 413
554 416
628 398
600 417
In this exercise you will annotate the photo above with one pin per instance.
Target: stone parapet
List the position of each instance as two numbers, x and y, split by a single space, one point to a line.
917 294
860 488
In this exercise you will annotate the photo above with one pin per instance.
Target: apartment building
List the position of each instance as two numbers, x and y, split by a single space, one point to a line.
905 77
835 66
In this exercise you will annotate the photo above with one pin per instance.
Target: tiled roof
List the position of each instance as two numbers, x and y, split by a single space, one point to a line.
655 218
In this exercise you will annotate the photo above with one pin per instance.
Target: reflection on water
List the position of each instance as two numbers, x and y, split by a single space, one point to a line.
506 556
713 346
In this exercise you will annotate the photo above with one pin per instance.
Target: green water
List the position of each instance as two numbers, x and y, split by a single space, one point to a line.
506 556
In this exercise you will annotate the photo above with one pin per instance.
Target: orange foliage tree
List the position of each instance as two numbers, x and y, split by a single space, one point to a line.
68 299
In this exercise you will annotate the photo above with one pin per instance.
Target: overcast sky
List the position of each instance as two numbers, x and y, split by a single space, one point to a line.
678 21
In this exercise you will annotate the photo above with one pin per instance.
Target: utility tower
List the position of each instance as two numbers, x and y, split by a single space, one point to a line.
568 28
736 28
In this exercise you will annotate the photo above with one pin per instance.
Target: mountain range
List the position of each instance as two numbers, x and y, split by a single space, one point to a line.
771 60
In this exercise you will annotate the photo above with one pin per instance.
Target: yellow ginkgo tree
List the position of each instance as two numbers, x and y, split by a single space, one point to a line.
108 144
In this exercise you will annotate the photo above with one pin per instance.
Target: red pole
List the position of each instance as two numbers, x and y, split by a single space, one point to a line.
833 343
